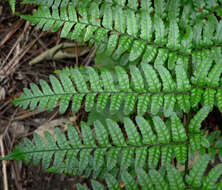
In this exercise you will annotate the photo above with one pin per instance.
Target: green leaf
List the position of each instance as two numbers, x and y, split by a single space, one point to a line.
195 123
129 181
158 180
12 5
195 176
175 179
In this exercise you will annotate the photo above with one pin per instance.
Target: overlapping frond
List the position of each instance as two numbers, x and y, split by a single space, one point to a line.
171 179
145 145
149 89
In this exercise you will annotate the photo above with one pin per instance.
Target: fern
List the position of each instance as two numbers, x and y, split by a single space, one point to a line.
173 49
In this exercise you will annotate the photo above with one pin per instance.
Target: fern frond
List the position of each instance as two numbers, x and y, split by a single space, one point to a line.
80 152
150 89
129 28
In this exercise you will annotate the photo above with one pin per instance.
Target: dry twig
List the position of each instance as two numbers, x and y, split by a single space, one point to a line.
4 171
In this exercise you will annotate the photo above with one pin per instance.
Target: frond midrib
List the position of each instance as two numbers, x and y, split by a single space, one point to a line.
107 147
104 92
119 93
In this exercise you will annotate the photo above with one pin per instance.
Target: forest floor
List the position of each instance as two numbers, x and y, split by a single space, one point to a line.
20 44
